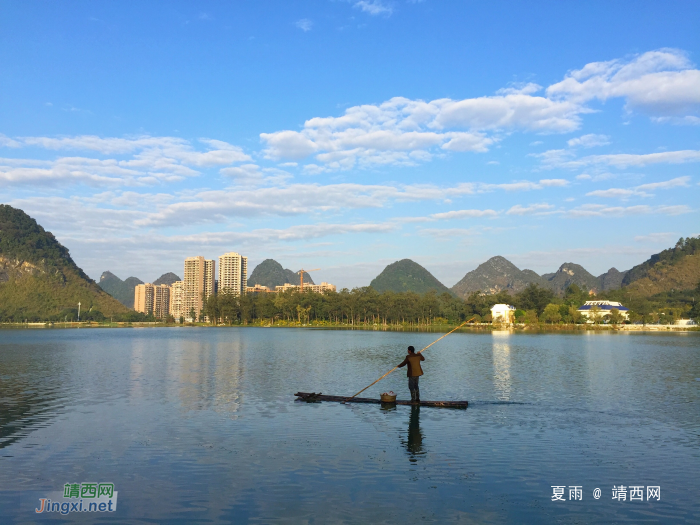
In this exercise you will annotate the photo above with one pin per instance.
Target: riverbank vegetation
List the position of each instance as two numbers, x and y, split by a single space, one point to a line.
367 307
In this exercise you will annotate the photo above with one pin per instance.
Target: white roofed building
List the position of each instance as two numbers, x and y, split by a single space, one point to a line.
502 313
603 308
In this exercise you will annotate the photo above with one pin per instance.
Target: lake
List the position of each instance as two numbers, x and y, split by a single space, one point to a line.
196 425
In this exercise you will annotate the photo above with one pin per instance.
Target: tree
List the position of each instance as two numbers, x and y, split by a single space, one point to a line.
551 314
594 314
534 298
615 316
530 317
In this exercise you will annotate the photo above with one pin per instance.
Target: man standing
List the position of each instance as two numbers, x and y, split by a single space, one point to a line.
414 372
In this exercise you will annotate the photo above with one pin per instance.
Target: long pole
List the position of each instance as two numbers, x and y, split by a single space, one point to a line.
424 349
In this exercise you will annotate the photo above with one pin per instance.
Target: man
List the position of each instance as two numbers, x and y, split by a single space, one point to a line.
414 372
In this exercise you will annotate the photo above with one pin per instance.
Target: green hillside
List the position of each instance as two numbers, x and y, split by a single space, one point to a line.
407 276
122 291
663 261
270 273
38 278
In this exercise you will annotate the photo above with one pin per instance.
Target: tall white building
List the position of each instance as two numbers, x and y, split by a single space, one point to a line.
233 273
177 298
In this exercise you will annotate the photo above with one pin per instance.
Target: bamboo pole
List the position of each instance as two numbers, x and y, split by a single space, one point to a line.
423 350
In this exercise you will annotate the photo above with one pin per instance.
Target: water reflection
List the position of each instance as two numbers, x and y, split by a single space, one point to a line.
501 364
414 443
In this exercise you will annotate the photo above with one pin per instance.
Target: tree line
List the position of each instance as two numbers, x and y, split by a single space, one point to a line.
366 306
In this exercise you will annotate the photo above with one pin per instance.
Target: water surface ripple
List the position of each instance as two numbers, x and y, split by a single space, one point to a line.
200 425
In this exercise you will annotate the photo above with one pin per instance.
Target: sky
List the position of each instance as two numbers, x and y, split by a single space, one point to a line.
346 135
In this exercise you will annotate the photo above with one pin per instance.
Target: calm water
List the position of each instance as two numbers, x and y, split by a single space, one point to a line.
200 425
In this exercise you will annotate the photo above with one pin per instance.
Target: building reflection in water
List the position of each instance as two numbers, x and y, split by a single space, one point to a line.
203 376
210 376
501 364
414 443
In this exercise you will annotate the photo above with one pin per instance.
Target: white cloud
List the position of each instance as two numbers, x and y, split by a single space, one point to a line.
667 184
304 24
402 131
533 209
660 83
462 214
6 142
599 210
642 190
391 132
140 160
523 185
373 7
619 193
561 159
589 141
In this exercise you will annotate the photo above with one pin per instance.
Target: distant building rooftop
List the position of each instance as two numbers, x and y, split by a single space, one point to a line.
604 306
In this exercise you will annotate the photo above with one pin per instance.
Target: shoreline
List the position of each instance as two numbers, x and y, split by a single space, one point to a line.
476 327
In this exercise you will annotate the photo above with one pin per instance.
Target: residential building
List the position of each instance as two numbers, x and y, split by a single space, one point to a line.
161 301
503 313
604 308
143 298
152 299
258 288
177 298
233 273
198 285
317 288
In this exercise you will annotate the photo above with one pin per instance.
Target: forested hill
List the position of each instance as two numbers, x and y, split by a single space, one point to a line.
38 278
270 273
677 268
407 276
122 291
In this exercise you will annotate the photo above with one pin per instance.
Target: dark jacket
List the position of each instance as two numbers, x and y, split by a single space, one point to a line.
413 362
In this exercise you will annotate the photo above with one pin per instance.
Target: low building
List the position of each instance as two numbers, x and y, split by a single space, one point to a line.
316 288
602 308
258 288
502 313
685 322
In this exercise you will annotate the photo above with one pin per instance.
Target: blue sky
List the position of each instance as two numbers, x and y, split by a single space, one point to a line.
346 135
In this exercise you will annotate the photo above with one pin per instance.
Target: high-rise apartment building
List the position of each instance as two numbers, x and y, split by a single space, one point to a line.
233 273
143 298
177 298
152 299
198 283
161 301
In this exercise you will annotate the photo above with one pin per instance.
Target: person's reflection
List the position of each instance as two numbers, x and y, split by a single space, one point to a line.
414 445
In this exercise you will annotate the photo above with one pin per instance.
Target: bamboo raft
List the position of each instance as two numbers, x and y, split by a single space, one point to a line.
311 397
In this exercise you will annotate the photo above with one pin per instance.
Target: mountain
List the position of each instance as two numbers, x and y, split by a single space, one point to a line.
677 268
38 277
167 278
570 273
122 291
407 276
270 273
495 275
611 280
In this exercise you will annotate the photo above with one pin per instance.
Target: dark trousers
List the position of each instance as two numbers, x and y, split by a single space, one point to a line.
413 383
